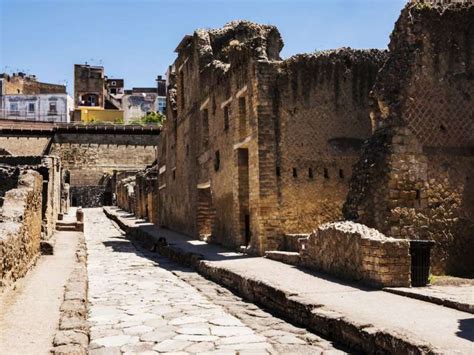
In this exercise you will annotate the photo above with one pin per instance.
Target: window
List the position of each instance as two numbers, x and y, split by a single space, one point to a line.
242 117
278 173
310 173
295 173
341 173
205 128
326 173
31 107
14 109
217 161
226 118
53 108
91 100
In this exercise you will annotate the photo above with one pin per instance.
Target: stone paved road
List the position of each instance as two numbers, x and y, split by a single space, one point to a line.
143 303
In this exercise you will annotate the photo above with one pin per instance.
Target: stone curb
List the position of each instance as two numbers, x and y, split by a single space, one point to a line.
463 307
72 337
316 318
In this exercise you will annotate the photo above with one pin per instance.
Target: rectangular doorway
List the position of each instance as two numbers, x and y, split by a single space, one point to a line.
244 194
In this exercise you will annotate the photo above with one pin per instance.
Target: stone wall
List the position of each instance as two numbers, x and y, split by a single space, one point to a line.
91 160
20 224
323 119
26 146
138 193
356 252
414 179
49 167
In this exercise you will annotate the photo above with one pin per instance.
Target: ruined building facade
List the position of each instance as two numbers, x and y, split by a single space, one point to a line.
415 177
255 147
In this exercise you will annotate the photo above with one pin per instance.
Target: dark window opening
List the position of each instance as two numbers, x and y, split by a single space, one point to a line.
174 174
187 149
52 108
278 173
295 173
182 89
418 195
226 118
442 128
205 128
217 161
326 173
31 107
310 173
341 173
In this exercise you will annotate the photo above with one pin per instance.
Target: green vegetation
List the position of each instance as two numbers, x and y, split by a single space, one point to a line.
155 118
151 118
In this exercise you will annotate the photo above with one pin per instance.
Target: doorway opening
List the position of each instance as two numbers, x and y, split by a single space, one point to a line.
244 194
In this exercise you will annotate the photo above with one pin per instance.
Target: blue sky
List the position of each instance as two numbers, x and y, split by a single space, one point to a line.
135 39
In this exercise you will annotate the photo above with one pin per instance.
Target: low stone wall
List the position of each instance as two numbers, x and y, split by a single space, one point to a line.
125 192
138 194
20 227
356 252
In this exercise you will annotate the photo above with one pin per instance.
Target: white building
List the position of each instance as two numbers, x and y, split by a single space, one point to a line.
39 107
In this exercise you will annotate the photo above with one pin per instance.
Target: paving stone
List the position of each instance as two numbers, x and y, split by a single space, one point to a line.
230 331
138 347
200 347
197 338
242 339
194 330
137 330
172 345
226 321
157 336
117 340
186 320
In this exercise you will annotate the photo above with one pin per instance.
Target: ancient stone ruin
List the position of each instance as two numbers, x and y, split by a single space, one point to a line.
258 152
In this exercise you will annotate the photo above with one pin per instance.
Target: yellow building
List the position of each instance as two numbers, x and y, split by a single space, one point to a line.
89 114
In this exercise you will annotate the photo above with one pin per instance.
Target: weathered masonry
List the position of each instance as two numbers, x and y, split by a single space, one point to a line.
88 154
415 177
255 147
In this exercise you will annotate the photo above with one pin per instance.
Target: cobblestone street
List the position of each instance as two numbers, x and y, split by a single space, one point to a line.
143 303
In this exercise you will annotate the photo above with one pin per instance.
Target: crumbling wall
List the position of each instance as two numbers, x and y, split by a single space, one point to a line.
414 177
323 114
356 252
49 168
125 191
20 223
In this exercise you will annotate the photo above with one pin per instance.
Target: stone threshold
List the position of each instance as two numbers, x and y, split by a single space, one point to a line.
315 317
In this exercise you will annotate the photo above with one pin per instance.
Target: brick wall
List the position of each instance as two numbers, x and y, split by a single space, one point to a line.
356 252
